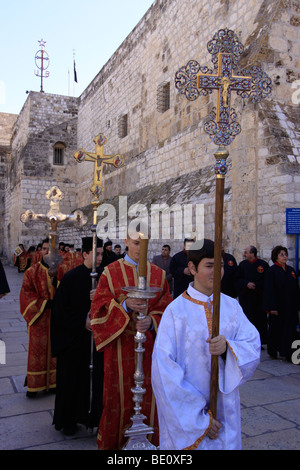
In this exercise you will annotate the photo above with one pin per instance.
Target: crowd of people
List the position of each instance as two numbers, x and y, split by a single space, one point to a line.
81 337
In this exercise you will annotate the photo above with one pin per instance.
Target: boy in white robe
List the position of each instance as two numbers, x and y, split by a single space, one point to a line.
181 363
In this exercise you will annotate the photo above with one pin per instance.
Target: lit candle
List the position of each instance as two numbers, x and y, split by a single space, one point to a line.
143 255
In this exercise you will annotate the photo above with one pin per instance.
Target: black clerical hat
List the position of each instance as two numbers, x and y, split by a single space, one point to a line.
87 243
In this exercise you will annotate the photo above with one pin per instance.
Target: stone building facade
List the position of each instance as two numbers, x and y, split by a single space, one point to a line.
168 157
43 141
7 122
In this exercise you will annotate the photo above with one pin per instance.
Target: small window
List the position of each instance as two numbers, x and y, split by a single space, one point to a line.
123 126
58 154
163 97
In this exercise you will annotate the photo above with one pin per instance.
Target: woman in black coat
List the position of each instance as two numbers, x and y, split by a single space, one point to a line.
282 302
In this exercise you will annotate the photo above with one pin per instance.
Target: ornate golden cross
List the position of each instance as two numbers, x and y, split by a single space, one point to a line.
193 80
54 216
99 159
224 81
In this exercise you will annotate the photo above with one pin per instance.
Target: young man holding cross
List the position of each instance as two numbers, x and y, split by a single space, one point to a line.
181 363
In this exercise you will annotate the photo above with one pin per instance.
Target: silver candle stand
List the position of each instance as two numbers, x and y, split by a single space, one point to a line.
137 433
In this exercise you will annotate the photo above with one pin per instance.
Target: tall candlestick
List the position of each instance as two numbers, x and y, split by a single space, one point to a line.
143 256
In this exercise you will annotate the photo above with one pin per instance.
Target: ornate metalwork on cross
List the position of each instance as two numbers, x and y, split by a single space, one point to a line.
193 80
54 217
99 160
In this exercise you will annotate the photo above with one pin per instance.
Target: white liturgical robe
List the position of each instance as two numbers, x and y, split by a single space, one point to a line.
181 368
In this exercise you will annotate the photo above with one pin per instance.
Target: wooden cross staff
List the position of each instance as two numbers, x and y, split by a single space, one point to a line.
193 81
54 217
99 159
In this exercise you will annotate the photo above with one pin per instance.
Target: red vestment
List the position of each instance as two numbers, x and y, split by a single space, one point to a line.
37 256
36 290
114 332
21 261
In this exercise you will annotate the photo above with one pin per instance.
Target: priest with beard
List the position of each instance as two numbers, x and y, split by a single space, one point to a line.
71 345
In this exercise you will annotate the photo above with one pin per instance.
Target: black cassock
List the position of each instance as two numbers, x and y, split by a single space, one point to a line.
181 281
282 294
228 279
4 287
250 300
71 345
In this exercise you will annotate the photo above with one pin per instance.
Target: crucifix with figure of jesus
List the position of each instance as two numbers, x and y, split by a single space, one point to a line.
194 80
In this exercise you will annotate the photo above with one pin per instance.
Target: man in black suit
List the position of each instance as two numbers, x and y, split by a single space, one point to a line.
179 269
163 261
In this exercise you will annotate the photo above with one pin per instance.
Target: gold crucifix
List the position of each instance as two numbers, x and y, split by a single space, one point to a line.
99 159
54 217
225 82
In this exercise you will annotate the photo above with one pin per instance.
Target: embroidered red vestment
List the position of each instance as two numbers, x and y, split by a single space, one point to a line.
36 290
114 332
21 261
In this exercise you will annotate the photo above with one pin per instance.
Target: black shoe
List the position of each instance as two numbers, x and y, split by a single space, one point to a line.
31 394
70 430
273 357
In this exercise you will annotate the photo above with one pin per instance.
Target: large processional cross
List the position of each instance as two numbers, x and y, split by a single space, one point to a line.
99 159
194 80
54 217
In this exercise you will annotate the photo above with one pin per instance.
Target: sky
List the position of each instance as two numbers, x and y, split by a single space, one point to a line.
89 31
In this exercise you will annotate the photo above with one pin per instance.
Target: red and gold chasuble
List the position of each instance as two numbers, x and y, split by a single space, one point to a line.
36 290
114 332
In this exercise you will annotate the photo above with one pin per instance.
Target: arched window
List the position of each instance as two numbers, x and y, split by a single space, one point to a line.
58 153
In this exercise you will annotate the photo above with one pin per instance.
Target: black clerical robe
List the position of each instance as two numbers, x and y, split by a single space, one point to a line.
71 344
251 300
4 287
228 279
177 266
282 295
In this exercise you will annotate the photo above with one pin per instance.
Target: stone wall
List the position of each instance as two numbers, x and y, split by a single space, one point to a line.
45 121
170 146
7 122
168 157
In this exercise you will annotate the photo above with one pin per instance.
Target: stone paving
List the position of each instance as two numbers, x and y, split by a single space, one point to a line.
270 401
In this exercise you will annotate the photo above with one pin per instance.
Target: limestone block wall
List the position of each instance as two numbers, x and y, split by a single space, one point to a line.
160 147
7 122
44 121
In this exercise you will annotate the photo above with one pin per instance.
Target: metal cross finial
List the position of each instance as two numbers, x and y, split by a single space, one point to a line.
54 216
193 80
99 160
42 62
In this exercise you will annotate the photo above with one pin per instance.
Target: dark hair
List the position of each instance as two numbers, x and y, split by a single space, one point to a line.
188 240
201 249
46 240
167 246
275 252
253 250
117 246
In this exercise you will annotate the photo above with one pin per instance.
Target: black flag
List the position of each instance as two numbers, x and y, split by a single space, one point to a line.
75 73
